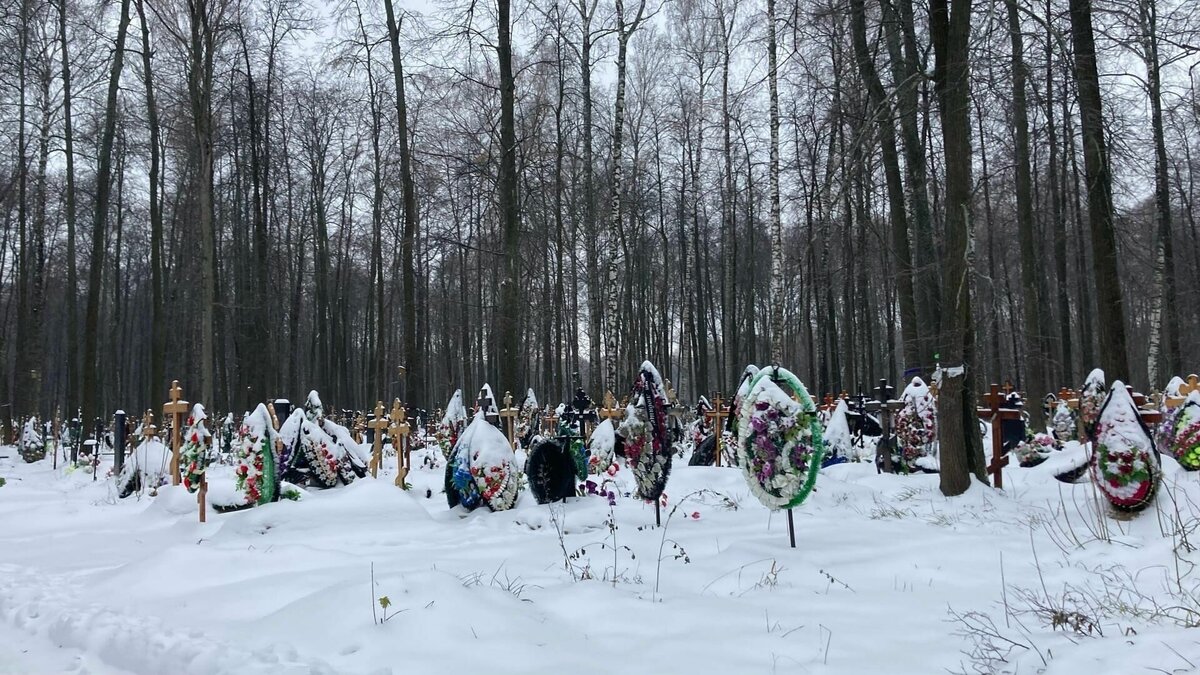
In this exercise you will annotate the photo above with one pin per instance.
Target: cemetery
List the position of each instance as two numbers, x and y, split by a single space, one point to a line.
774 530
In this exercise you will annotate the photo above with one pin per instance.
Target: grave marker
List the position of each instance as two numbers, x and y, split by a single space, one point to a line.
886 405
119 435
177 408
399 430
509 414
717 414
997 413
148 429
611 411
379 424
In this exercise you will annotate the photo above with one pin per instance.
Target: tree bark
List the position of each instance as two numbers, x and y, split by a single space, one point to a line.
509 312
414 361
1036 365
901 250
961 450
91 322
1110 319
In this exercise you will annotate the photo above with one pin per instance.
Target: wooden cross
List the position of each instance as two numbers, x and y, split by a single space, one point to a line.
148 429
509 414
177 408
379 424
718 413
997 413
399 432
1008 387
550 423
611 411
829 402
360 425
1147 410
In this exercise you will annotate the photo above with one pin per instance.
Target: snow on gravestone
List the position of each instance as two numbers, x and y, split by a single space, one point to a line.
1186 447
32 447
779 439
602 447
313 408
1124 465
743 391
148 468
916 424
451 426
1173 403
1091 398
644 428
483 468
194 454
837 438
352 456
308 452
257 463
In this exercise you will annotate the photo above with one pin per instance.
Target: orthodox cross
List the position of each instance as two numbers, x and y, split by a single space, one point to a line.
997 413
398 430
176 408
509 414
148 429
379 424
717 414
611 411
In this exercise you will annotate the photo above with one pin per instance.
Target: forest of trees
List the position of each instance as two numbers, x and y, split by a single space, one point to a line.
259 197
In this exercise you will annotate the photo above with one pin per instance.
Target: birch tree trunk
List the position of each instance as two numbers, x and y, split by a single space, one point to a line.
615 230
775 224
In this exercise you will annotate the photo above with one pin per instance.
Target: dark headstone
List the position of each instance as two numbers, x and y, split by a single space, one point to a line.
119 432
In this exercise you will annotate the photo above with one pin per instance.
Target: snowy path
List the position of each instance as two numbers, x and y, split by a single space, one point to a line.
93 585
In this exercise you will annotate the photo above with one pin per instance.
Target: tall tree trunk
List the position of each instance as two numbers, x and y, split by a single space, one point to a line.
91 321
1110 318
509 311
25 372
1037 363
1057 190
775 224
72 289
961 448
614 242
905 56
414 361
1165 299
901 251
158 328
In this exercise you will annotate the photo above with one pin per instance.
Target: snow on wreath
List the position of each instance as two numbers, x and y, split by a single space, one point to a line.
779 439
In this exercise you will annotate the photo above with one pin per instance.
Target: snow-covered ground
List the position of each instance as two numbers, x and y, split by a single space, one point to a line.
888 577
